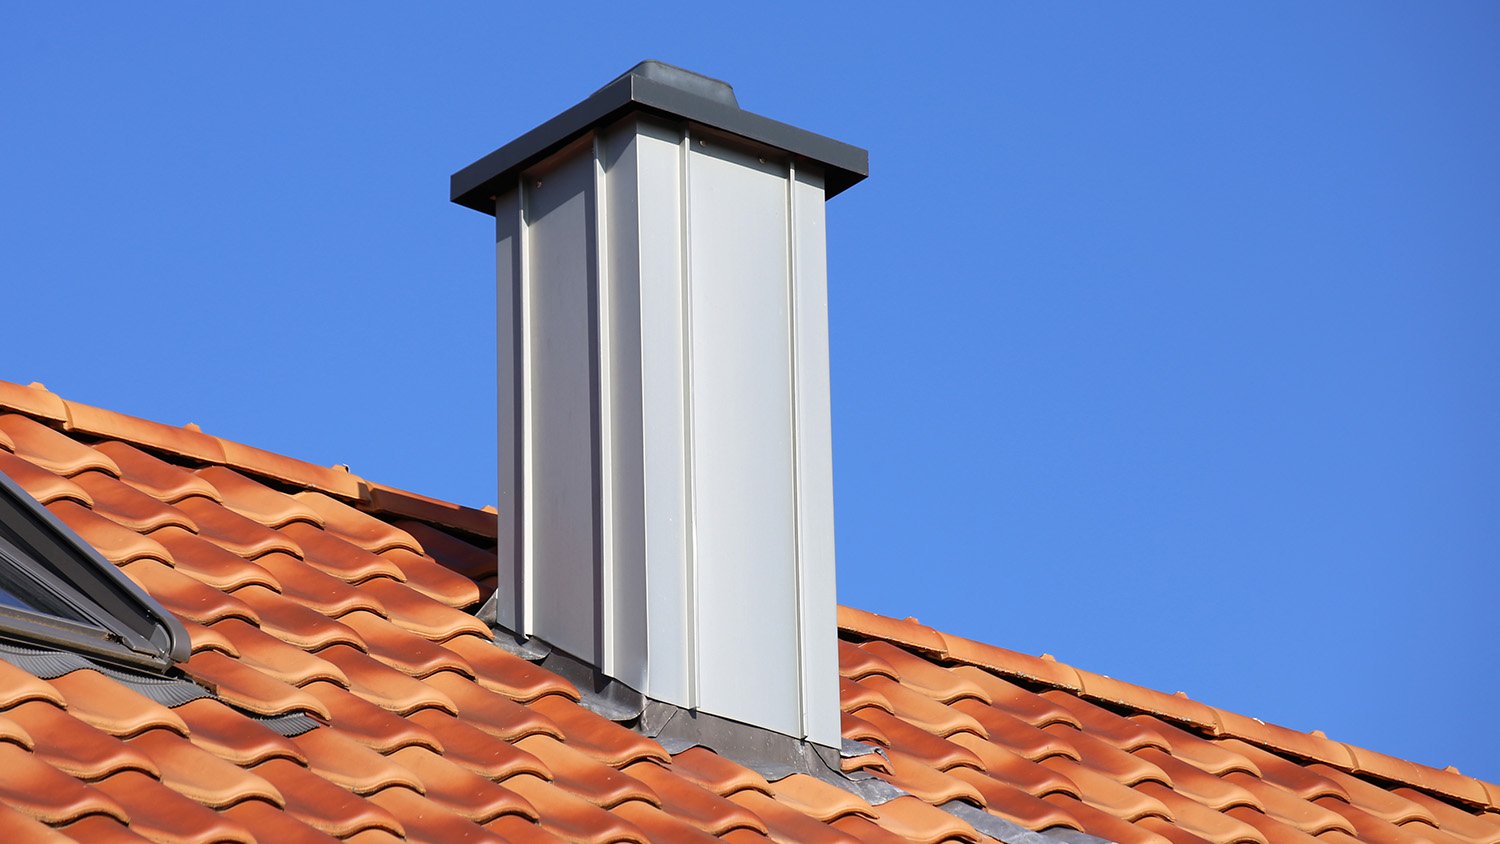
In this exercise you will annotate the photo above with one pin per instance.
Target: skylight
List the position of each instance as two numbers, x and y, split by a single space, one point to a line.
58 592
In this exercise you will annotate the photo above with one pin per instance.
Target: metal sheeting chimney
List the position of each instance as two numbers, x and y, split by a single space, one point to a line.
666 495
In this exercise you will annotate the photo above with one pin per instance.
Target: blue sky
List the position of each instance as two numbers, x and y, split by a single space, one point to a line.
1163 337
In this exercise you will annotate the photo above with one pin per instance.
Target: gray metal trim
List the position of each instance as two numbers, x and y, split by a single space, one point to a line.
290 725
1010 833
654 87
771 754
170 692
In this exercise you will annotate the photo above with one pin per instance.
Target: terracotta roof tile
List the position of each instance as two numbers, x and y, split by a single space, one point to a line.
309 590
343 761
787 824
929 783
15 826
585 777
51 450
385 686
36 789
116 543
277 659
294 623
1014 734
658 825
211 565
506 673
817 799
332 555
315 590
74 747
41 484
697 806
365 722
420 614
406 651
1111 761
324 806
186 596
235 533
932 750
256 501
34 400
479 751
17 687
12 732
906 632
427 576
1106 825
1008 767
917 821
1106 794
926 677
359 529
239 684
104 703
128 507
924 712
200 775
521 831
856 662
454 553
596 735
1217 793
270 823
722 776
573 818
1011 803
161 814
460 790
232 736
155 477
1289 809
426 820
410 505
99 828
289 470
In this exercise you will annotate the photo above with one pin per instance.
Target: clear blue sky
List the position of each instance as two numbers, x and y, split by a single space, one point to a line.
1164 339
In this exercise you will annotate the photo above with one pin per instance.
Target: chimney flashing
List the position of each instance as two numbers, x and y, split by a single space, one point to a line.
654 86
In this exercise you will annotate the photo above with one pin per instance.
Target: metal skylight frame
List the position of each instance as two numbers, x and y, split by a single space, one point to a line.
76 600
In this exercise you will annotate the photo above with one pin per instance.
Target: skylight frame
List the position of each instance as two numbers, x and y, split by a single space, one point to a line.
116 621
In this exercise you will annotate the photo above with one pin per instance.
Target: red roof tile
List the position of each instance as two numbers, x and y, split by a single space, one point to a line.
310 590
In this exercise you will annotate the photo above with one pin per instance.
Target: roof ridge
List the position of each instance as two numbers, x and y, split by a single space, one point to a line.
189 442
1179 708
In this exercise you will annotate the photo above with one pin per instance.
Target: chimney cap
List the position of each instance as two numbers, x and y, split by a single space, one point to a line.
657 87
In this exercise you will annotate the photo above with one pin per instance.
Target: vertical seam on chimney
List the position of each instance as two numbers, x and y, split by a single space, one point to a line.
604 548
690 499
796 384
526 623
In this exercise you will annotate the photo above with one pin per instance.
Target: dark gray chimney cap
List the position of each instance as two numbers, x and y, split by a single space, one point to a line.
653 86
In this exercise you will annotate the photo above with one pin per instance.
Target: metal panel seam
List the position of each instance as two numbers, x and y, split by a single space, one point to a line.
796 403
526 623
689 462
604 547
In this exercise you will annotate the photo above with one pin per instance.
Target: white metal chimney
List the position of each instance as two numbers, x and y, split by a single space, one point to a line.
666 494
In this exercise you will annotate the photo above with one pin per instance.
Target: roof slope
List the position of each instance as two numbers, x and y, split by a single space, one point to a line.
311 592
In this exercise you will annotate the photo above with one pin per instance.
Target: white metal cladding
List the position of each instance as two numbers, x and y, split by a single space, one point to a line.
666 467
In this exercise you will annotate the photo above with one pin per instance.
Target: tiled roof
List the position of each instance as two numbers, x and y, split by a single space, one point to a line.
311 591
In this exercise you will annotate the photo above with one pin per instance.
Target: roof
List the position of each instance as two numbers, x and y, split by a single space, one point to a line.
343 688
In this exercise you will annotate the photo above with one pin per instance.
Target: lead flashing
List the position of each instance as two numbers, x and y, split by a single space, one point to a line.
659 88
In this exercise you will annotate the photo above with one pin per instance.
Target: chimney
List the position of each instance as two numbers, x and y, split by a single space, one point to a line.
666 490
